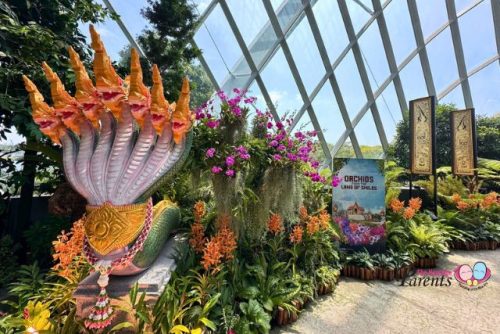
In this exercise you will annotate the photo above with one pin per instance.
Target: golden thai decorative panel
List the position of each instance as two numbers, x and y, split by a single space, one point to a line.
421 135
463 133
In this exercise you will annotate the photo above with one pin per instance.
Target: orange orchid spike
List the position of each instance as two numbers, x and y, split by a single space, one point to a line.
139 97
43 115
108 83
66 107
85 93
181 116
159 105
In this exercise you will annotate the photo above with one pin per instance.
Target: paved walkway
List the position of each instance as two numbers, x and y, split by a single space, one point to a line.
387 307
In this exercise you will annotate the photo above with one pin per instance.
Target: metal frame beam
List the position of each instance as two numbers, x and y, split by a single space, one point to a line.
296 75
362 73
337 62
389 52
419 38
387 81
333 79
205 14
495 10
248 56
459 52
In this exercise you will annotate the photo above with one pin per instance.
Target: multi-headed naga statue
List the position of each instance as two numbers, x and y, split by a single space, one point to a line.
120 141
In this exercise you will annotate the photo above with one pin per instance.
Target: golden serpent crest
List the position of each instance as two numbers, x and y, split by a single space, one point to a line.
111 227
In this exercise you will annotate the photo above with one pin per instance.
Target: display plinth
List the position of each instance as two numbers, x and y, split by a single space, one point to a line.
152 281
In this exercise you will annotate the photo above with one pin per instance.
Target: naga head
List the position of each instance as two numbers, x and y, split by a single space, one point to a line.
108 83
181 116
86 94
160 113
65 106
139 97
43 115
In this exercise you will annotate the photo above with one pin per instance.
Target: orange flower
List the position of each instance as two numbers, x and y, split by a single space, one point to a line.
462 205
456 197
275 224
68 250
409 213
199 211
415 203
296 235
198 239
324 218
212 254
303 214
397 205
227 242
489 200
313 225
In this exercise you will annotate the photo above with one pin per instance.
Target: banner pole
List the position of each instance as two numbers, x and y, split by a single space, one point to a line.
434 155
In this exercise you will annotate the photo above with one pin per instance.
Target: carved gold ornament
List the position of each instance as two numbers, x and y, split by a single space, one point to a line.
109 227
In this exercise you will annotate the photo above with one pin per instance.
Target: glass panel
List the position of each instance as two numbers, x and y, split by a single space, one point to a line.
368 138
262 46
131 16
331 26
478 35
250 17
400 29
306 55
346 150
484 88
374 56
328 114
358 15
389 110
212 57
112 36
276 3
287 11
260 103
455 97
432 15
442 59
304 123
281 85
201 5
413 80
221 50
350 85
367 4
460 5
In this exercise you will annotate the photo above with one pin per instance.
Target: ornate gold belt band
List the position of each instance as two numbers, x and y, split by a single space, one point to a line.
111 227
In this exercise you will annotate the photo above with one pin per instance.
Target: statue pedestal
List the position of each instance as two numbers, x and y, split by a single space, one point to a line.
152 281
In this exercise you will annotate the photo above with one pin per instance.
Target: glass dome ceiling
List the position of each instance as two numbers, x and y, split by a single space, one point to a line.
346 68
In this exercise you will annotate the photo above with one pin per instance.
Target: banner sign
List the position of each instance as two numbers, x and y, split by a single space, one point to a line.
359 202
463 138
422 135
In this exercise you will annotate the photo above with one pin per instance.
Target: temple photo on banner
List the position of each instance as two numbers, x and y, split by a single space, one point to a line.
359 203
